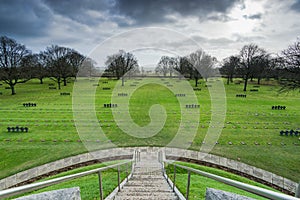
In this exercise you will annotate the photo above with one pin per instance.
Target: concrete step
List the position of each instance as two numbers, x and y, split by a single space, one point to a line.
144 198
148 189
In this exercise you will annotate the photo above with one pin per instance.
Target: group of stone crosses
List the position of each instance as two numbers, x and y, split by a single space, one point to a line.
17 129
29 104
192 106
290 133
278 107
122 94
241 95
110 105
65 93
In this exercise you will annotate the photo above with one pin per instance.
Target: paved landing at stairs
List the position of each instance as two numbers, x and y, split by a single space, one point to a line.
147 181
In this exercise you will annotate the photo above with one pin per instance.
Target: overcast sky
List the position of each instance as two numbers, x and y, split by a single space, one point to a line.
220 27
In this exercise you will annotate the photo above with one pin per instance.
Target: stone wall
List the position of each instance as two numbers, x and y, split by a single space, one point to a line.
109 154
258 173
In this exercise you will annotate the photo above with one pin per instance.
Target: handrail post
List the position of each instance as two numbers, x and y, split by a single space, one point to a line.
127 166
188 185
119 178
174 178
100 185
297 193
139 156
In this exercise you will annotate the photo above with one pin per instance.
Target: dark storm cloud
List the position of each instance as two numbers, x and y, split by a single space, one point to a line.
156 11
255 16
23 18
77 10
220 18
296 6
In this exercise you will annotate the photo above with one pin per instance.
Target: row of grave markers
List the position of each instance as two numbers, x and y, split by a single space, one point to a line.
278 107
17 129
290 133
110 105
29 104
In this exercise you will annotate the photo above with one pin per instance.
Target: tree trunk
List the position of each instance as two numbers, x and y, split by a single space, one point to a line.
231 78
58 83
65 81
122 80
245 84
41 80
196 83
258 80
228 79
12 87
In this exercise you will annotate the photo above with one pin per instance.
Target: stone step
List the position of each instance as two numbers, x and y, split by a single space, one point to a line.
144 198
145 178
148 189
139 184
153 194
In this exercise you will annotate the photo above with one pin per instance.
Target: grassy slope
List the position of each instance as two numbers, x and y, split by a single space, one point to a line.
89 185
52 133
197 188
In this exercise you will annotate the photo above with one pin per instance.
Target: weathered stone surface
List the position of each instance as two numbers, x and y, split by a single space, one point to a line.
69 193
213 194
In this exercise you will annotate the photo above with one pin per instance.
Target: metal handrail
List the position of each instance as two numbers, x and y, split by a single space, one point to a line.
34 186
249 188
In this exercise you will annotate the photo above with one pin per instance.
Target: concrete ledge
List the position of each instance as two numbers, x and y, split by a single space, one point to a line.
68 193
118 153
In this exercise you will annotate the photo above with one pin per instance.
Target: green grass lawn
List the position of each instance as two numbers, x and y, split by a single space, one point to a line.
52 133
199 184
89 185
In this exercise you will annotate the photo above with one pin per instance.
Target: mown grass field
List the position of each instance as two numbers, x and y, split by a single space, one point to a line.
199 184
89 185
52 132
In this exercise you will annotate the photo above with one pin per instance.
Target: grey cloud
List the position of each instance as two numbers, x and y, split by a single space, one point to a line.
78 10
253 17
220 17
155 11
296 6
24 18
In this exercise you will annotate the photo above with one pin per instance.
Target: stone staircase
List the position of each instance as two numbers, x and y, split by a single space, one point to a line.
147 181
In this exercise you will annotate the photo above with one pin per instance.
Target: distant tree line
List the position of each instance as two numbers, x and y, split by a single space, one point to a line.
251 63
18 64
254 62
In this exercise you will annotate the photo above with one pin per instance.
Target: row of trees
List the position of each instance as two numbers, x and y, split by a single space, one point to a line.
18 64
197 65
254 62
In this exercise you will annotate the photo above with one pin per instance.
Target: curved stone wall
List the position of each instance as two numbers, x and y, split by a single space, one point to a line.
109 154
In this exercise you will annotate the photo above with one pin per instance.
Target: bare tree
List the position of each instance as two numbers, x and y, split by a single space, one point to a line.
249 54
229 67
184 67
166 65
62 63
87 68
120 63
290 58
202 65
12 68
37 66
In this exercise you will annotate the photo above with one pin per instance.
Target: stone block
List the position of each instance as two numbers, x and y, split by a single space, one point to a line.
289 185
223 161
277 180
68 193
258 173
231 164
213 194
